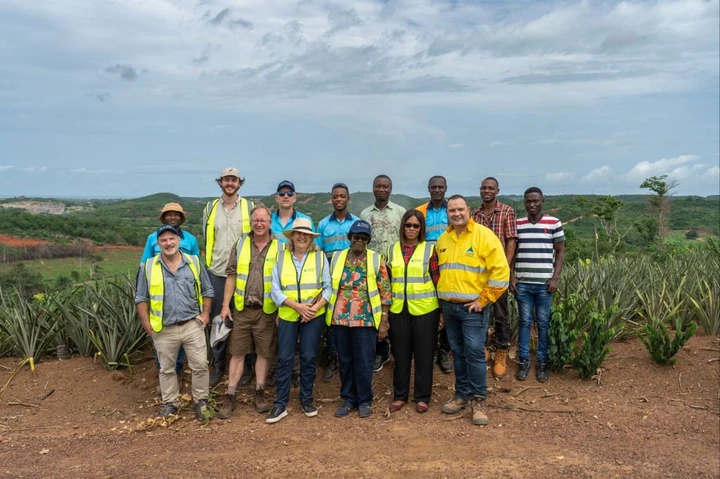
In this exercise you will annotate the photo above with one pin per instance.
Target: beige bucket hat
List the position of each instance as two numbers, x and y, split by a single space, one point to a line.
176 207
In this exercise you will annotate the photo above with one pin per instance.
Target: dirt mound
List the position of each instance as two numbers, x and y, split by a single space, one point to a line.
15 242
639 421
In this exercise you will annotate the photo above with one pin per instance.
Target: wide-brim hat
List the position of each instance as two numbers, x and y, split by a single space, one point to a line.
219 332
301 225
177 208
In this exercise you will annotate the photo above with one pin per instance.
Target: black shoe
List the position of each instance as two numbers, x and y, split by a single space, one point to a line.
365 410
379 362
541 372
203 413
167 410
309 409
246 377
523 370
271 379
331 369
215 377
345 409
275 415
444 362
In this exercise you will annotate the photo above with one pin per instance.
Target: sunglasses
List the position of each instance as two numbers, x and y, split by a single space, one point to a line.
412 226
363 238
283 194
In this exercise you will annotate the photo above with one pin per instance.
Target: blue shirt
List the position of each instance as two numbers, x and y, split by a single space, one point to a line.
334 233
436 221
278 229
277 294
188 244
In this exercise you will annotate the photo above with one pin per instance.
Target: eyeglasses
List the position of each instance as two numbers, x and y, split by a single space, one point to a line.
363 238
412 226
282 194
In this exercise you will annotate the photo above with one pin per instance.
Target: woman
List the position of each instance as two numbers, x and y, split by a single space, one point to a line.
301 289
358 315
414 313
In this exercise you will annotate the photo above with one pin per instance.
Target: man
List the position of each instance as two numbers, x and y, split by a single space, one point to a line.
173 299
225 221
384 217
283 218
473 274
172 214
249 281
334 230
436 222
500 218
538 264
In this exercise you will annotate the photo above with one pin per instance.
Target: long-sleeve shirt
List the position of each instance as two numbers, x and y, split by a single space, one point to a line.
188 244
277 294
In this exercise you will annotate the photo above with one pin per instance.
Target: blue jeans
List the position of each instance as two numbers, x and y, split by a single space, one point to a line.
356 352
466 334
288 332
331 344
533 298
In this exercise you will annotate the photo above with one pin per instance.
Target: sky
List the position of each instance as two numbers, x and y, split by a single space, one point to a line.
125 98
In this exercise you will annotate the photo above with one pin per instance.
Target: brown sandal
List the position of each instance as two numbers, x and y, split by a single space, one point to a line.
396 406
421 407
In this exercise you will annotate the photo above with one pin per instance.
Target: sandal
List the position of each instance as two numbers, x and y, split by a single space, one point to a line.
421 407
396 406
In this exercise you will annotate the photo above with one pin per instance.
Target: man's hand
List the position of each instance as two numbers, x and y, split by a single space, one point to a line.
204 317
147 328
225 313
513 285
442 321
552 285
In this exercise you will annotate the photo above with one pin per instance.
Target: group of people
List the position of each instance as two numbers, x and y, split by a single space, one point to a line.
419 283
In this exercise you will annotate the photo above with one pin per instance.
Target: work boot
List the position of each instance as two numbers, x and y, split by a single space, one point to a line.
261 405
331 368
271 378
523 370
246 375
479 418
541 372
228 406
499 366
444 362
215 377
455 405
203 413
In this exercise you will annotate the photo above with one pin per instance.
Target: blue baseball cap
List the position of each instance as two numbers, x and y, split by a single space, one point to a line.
360 227
165 228
286 184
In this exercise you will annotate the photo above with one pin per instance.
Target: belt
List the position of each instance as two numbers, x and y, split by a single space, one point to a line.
253 306
183 323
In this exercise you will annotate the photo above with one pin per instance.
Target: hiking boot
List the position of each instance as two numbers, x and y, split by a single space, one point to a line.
444 362
479 418
331 369
523 370
261 405
215 377
167 410
500 364
271 379
276 414
308 409
202 411
246 376
228 406
541 372
455 405
365 410
344 410
379 362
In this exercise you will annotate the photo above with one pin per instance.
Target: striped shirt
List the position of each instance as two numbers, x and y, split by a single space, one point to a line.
535 255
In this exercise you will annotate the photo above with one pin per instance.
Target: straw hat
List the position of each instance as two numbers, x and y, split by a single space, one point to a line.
176 208
301 225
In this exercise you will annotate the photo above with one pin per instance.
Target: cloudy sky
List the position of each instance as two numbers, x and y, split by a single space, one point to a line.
132 97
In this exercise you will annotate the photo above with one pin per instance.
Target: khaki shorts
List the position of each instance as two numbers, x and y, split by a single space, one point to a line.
253 331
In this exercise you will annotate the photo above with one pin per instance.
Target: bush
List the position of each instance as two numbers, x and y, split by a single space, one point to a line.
587 360
563 333
692 235
657 340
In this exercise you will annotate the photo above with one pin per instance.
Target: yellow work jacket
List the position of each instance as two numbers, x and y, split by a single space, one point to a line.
373 270
210 213
307 288
156 285
243 249
472 266
412 282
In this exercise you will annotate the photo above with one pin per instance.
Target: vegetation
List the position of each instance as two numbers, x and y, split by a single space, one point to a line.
589 357
658 343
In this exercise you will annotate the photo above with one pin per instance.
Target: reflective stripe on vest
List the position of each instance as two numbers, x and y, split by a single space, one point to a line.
304 290
412 281
156 285
243 248
373 270
211 213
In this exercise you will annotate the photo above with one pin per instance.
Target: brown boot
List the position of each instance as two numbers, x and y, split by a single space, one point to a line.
261 404
455 405
227 407
499 365
479 418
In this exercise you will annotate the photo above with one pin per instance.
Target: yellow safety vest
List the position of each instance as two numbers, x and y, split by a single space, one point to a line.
373 270
305 290
156 281
243 268
210 213
412 282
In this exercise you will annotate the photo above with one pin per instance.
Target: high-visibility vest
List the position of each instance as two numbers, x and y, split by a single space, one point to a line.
156 281
307 288
412 282
373 270
243 248
211 213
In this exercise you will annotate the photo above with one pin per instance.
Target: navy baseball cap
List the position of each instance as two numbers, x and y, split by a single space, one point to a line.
165 228
360 227
286 184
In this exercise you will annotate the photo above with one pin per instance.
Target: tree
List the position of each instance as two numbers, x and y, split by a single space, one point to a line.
605 209
662 186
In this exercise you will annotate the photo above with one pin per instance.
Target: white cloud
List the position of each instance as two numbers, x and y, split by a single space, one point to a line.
558 177
6 167
457 145
597 175
665 166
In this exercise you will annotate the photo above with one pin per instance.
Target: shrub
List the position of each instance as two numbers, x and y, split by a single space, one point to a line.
587 360
657 340
565 320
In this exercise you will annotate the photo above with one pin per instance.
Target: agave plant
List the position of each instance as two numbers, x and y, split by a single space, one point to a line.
75 321
706 307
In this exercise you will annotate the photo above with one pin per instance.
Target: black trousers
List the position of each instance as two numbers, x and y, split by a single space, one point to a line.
219 351
503 334
413 337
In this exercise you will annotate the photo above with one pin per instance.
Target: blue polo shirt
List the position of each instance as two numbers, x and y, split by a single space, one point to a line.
188 244
277 228
333 232
436 221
